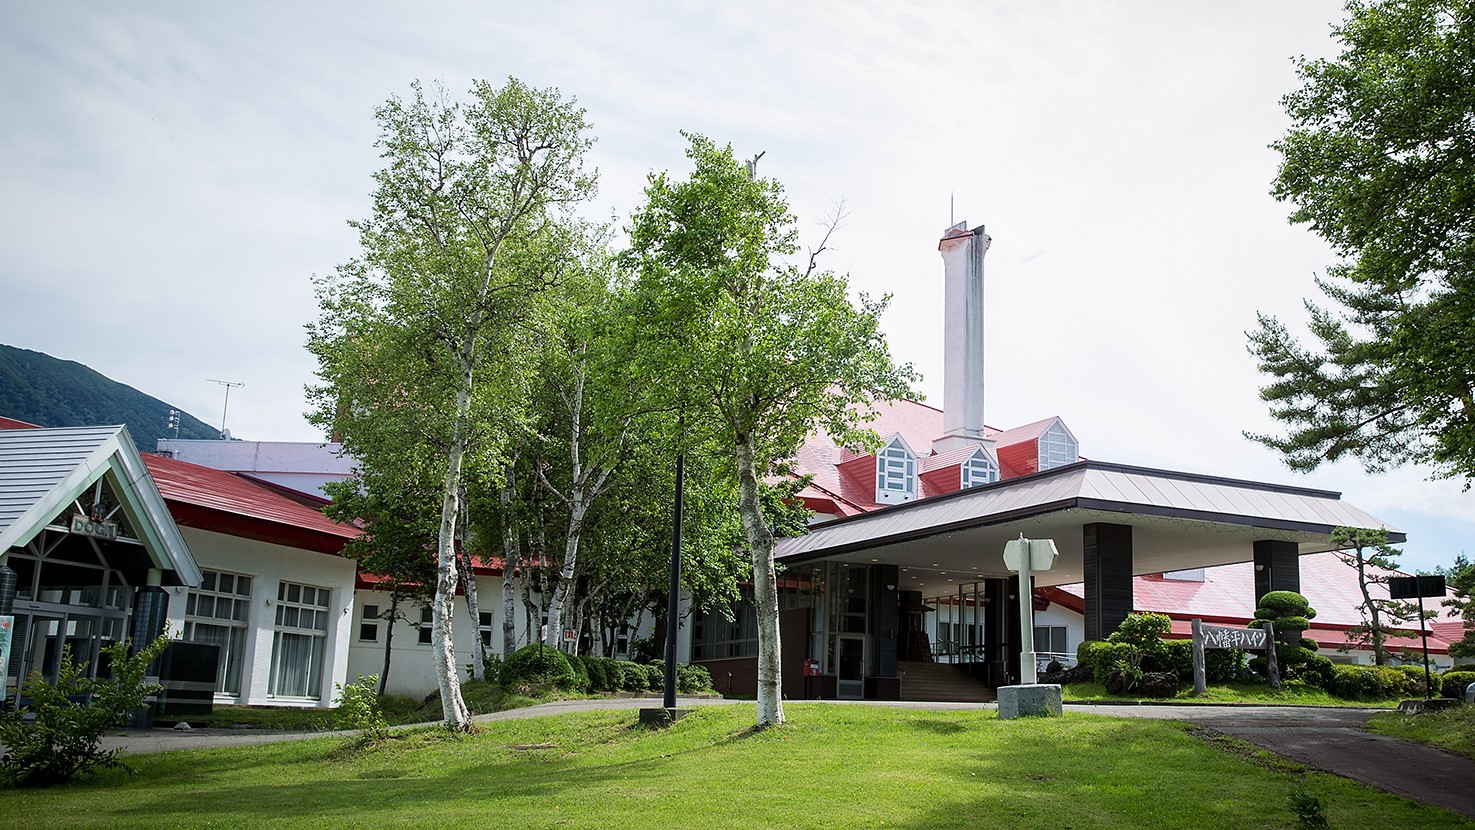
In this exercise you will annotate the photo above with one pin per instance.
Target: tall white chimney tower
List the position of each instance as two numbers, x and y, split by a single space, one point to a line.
962 376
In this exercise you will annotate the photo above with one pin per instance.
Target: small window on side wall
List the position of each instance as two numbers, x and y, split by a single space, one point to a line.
426 626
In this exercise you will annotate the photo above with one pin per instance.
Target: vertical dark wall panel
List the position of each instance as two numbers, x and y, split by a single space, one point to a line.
885 621
1277 567
8 583
1107 549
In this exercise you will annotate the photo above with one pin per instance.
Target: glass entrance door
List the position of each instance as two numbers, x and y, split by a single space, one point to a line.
850 671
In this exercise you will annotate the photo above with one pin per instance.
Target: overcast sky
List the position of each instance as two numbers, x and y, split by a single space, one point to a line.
173 174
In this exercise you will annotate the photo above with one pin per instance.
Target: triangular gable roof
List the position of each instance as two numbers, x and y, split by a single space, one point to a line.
42 471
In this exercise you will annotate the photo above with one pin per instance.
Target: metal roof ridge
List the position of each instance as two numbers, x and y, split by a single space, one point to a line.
1212 479
1005 484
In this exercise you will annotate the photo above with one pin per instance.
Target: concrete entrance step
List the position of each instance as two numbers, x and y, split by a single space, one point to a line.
940 682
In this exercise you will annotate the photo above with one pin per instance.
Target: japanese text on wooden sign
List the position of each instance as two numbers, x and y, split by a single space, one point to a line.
1218 636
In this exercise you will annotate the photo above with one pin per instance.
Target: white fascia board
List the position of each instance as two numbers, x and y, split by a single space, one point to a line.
165 543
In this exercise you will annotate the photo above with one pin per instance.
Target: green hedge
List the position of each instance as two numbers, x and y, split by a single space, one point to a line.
539 665
1372 682
1453 682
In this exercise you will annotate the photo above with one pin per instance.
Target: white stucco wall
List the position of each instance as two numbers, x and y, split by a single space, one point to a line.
268 565
412 664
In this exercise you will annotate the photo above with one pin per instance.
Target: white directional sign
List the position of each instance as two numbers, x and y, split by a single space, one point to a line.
1042 554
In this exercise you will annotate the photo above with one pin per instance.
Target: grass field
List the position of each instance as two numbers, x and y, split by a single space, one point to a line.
1452 729
831 767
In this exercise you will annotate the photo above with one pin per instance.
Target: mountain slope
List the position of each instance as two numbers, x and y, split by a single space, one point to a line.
43 390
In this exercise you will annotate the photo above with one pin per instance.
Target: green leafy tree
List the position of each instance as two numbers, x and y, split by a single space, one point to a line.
1377 162
397 548
58 735
420 340
755 348
1460 578
1368 552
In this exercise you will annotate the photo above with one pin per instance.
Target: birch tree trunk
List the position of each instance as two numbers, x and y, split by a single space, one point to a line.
473 610
443 645
765 586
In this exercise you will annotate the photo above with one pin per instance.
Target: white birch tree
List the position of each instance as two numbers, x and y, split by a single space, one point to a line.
464 233
762 350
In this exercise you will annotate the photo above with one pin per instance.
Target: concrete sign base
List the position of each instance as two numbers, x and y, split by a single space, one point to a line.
1031 699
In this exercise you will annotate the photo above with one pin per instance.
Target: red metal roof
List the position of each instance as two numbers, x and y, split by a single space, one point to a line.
11 423
210 499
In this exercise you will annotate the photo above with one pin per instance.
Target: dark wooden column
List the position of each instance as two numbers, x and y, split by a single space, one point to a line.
1108 559
1277 567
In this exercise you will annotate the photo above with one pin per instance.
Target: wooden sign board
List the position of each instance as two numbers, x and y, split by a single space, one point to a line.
1224 637
1220 636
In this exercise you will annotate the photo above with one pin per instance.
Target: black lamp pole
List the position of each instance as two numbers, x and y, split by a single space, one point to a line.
673 599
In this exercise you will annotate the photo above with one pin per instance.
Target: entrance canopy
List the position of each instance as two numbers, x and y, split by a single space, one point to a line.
1178 521
48 476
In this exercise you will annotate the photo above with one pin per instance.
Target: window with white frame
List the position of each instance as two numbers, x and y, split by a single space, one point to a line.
369 624
979 469
1058 447
484 625
217 614
300 641
896 472
1050 639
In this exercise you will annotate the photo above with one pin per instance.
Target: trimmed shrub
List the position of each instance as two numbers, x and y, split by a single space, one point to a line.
1283 603
598 677
1453 683
1415 678
1222 665
536 666
632 677
693 678
581 672
655 676
1371 682
1105 658
1178 656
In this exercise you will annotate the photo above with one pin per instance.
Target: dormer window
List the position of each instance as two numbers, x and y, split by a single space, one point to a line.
979 469
1058 447
896 472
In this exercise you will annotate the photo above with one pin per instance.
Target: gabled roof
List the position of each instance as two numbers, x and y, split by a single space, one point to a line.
42 471
210 499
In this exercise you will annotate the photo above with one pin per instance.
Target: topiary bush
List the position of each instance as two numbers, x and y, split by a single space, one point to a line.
1178 658
598 676
581 673
1454 682
537 667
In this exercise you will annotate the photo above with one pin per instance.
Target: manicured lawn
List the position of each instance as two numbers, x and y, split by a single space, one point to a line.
1452 729
831 767
480 698
1254 693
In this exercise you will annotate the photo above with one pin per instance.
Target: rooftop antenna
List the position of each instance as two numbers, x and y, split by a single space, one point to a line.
950 220
225 436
